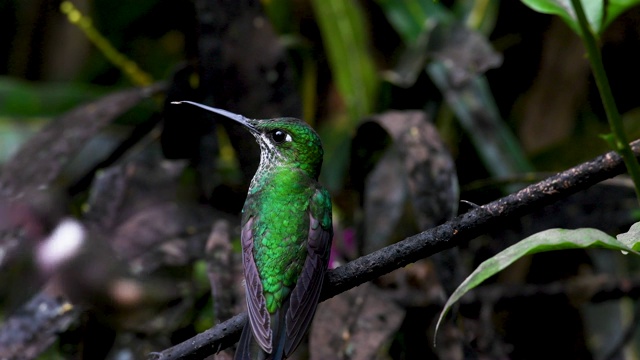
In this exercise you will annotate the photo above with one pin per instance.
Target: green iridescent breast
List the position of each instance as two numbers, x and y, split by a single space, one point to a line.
279 204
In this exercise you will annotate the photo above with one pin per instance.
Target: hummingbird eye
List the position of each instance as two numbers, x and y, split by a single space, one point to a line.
280 136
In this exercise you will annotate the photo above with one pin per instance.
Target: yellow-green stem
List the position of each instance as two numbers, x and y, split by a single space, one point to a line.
620 142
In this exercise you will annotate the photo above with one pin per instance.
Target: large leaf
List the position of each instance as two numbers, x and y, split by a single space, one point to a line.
593 10
632 237
616 7
599 13
548 240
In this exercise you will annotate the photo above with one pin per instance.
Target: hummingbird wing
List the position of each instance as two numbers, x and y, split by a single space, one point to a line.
259 317
305 295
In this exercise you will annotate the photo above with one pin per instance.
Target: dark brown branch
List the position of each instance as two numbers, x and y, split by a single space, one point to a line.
206 343
453 233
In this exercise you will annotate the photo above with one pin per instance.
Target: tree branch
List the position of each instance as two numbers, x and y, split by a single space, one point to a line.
450 234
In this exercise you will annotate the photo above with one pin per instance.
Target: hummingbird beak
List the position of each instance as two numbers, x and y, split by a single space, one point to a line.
235 117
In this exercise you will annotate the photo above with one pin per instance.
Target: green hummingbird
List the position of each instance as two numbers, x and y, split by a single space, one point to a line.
286 236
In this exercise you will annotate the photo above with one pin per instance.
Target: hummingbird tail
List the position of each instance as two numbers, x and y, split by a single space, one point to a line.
248 348
279 333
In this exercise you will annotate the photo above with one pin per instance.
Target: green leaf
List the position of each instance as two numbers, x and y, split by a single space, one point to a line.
600 14
345 38
593 9
610 139
411 17
280 13
615 8
19 99
548 240
631 238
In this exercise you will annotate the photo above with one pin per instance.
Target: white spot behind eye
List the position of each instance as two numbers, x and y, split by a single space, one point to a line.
288 138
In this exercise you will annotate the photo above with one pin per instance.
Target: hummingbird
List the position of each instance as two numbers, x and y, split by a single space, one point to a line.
286 236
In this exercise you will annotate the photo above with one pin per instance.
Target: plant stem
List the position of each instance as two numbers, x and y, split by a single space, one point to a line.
620 143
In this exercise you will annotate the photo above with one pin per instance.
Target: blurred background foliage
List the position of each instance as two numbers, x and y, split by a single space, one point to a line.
509 90
351 59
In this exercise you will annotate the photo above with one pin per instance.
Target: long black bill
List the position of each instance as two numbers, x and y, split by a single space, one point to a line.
235 117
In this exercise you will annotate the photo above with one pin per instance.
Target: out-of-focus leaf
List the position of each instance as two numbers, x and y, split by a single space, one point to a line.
458 58
345 38
36 326
412 187
546 114
162 230
599 13
416 169
548 240
616 7
411 62
24 99
416 20
280 13
385 196
224 270
410 18
465 53
346 42
13 133
478 15
135 205
336 140
460 55
40 160
478 114
632 237
632 123
120 192
432 178
355 325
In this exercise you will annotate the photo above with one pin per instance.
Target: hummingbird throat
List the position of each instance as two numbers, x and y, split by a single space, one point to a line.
270 159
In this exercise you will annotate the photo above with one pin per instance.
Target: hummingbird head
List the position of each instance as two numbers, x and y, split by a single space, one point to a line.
284 142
